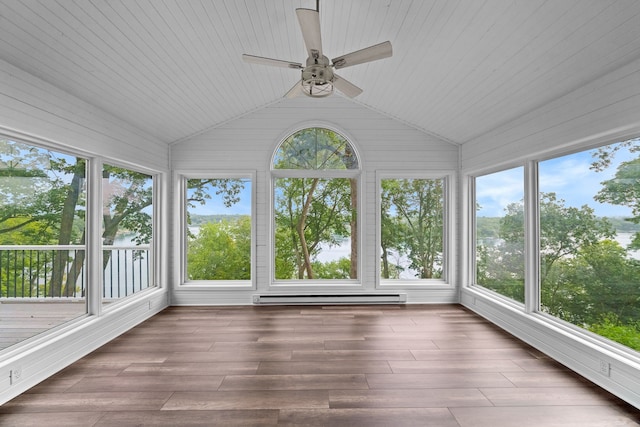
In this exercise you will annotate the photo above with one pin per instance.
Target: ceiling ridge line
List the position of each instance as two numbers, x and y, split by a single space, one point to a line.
224 122
404 122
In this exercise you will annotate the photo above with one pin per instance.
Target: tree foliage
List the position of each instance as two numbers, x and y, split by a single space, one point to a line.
412 227
221 251
311 216
500 252
314 213
43 202
586 277
624 188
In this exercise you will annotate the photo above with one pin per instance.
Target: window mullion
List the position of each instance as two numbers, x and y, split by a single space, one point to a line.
532 239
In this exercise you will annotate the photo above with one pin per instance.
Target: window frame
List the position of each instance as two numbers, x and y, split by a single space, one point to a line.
213 285
448 279
155 272
94 309
529 221
92 290
274 174
531 306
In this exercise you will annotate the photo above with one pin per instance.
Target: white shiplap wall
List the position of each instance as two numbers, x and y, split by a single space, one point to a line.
37 109
34 110
605 110
248 144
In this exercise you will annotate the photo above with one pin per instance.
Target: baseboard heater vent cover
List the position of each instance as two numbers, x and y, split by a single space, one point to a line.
331 299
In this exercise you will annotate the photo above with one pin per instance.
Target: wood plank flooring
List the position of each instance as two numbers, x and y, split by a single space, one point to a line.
368 366
21 320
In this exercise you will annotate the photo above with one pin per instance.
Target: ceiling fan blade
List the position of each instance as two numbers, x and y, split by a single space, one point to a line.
272 62
346 87
309 20
368 54
294 91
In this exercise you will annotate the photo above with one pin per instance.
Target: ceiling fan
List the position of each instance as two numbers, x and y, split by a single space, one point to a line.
318 79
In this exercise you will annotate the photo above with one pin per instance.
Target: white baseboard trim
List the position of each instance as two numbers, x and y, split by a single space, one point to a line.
195 297
301 298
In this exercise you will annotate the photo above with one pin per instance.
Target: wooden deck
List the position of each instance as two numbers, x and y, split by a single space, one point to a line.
21 320
317 366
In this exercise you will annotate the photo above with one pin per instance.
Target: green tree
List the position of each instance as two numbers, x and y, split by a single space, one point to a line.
338 269
610 282
624 188
43 200
412 217
615 292
313 213
390 232
221 251
565 230
500 252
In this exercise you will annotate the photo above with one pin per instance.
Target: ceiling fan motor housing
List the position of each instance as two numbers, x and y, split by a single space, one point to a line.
317 77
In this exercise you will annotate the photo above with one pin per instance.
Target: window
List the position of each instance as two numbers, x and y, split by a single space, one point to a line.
499 222
315 192
42 239
412 227
589 240
127 231
218 229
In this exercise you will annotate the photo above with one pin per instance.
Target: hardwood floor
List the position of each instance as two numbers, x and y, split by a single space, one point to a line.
368 366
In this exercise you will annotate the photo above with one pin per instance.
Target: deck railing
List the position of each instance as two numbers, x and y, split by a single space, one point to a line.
59 271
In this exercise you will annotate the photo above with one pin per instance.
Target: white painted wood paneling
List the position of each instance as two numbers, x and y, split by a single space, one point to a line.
460 68
34 108
249 142
605 110
602 111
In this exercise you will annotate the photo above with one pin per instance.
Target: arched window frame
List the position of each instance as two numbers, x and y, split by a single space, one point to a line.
275 174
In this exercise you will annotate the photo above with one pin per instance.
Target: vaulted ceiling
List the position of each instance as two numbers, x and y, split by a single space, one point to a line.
460 68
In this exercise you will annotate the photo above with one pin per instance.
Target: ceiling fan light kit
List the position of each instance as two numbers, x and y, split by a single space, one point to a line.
318 79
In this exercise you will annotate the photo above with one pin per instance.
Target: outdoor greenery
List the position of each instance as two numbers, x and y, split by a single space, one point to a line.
219 247
587 278
221 250
315 216
318 213
412 227
43 202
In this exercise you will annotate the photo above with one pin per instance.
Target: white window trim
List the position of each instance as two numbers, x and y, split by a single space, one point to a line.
449 240
318 285
155 272
531 308
181 194
469 267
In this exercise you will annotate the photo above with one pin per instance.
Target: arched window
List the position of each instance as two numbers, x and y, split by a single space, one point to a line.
315 149
315 180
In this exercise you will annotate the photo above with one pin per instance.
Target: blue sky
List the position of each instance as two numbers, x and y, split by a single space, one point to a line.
567 176
215 206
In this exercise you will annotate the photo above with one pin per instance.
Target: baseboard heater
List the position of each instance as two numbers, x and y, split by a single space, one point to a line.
330 299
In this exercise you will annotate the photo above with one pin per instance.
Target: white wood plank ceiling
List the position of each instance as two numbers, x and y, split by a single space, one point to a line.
460 68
